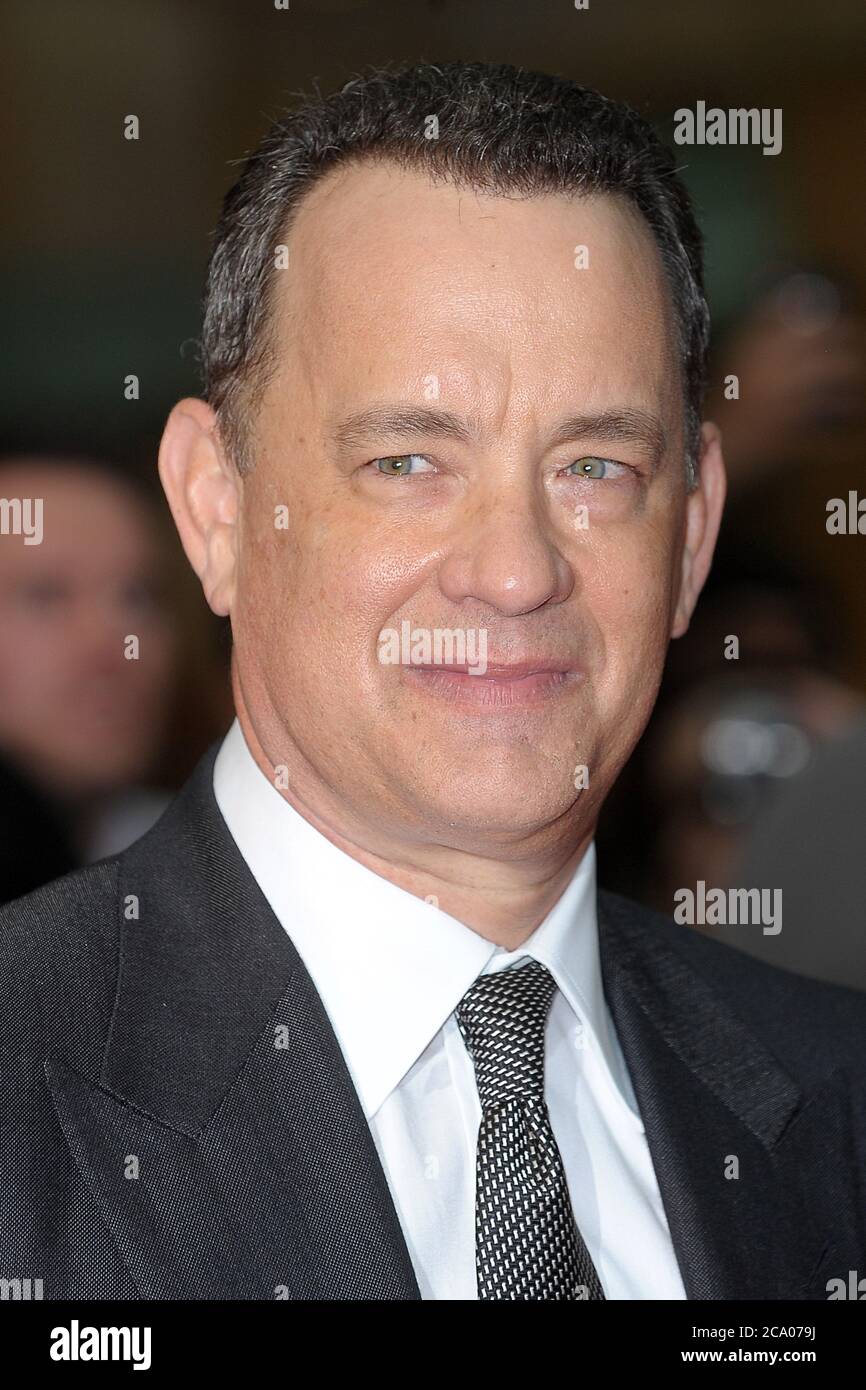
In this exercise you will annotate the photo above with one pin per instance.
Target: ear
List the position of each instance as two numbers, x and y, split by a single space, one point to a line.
203 491
703 518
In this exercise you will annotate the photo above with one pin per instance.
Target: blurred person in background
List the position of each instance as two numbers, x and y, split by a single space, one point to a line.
720 760
731 753
810 844
90 668
799 358
760 781
719 753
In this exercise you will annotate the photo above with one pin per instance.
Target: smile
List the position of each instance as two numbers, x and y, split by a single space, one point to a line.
522 684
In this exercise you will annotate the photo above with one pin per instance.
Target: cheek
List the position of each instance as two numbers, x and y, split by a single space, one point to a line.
309 610
34 690
343 584
632 608
32 664
153 683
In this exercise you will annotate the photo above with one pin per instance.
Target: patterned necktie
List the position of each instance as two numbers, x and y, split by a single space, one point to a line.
527 1245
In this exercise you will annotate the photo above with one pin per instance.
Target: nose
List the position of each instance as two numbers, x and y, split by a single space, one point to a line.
505 554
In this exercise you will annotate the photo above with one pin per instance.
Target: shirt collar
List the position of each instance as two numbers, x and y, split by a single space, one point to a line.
391 968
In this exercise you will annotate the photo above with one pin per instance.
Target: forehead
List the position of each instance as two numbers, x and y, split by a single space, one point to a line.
393 275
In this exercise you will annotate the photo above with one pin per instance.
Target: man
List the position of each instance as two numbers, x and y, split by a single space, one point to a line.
83 713
353 1020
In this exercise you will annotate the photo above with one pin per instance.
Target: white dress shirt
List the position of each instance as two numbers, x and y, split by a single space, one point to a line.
391 969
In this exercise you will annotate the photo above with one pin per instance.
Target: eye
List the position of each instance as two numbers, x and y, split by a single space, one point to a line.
141 595
401 465
42 593
592 467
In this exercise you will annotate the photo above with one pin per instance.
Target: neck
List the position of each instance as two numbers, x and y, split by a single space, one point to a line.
502 899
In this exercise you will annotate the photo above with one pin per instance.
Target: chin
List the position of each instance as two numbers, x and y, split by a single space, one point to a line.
478 812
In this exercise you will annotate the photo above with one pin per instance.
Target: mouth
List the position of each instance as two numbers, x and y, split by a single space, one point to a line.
523 683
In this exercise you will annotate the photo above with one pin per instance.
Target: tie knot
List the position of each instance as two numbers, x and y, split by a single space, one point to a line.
502 1018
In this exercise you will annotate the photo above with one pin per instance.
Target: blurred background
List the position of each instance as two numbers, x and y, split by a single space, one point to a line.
752 771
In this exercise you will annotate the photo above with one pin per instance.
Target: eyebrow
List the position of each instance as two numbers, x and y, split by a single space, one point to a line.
409 420
617 426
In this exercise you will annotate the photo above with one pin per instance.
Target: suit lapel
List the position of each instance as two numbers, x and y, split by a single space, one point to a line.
224 1139
715 1102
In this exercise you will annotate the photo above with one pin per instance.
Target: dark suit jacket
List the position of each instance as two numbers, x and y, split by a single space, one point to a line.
156 1019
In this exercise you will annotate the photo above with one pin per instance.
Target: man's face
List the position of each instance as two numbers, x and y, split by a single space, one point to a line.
561 542
75 713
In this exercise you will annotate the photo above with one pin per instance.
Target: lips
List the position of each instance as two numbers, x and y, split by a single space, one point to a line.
511 670
513 685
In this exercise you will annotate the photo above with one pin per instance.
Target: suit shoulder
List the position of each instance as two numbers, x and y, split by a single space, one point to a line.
82 894
58 957
796 1014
